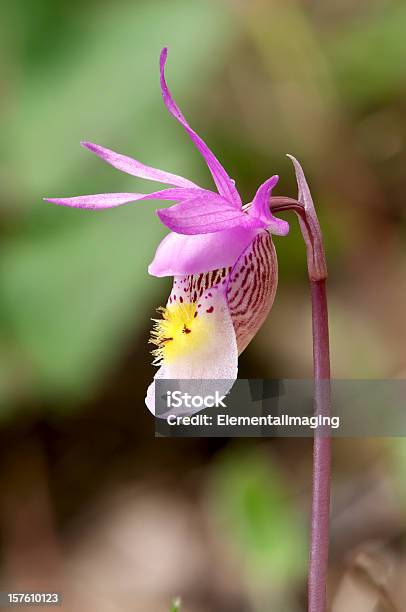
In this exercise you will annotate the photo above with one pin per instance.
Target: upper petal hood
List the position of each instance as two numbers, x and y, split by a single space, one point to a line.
178 255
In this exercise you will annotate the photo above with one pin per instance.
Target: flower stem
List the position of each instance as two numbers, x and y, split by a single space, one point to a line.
319 534
317 269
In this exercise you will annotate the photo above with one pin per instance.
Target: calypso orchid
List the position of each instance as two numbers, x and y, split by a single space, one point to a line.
219 252
224 265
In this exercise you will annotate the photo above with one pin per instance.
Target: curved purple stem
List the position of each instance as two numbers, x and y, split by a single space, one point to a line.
319 530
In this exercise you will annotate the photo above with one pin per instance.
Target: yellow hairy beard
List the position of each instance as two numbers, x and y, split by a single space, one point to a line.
181 330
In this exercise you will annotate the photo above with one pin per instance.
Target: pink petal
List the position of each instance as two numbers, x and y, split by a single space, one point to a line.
203 214
260 209
178 255
224 183
136 168
111 200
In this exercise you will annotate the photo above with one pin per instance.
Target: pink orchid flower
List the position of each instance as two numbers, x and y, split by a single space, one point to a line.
220 254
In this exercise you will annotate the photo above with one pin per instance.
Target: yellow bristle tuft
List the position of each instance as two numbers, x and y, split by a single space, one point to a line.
180 331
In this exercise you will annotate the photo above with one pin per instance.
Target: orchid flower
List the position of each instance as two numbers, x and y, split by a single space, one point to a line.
219 253
224 267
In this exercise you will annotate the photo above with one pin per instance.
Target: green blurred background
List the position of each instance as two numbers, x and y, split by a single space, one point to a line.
91 503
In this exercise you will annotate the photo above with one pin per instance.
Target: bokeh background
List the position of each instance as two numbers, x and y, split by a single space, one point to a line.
91 503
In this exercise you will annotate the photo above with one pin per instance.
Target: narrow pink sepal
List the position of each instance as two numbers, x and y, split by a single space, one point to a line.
260 209
111 200
224 183
136 168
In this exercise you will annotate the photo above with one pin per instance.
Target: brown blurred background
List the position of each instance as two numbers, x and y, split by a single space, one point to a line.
91 503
